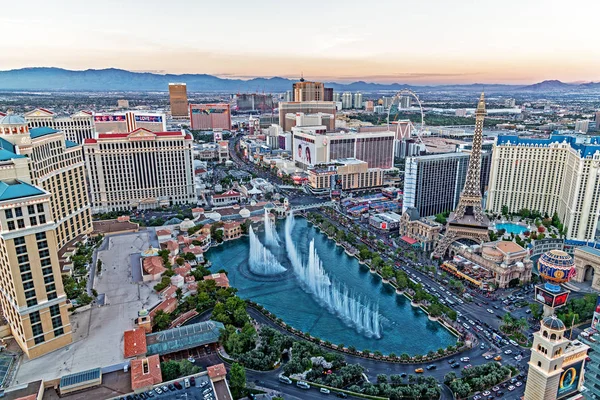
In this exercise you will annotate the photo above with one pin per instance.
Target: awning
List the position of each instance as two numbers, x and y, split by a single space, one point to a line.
409 240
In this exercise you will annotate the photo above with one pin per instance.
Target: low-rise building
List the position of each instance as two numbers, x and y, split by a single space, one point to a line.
145 372
345 174
220 278
232 230
422 230
229 197
500 262
388 221
153 267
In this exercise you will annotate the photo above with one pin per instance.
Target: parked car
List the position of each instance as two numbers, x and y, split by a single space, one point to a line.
186 383
324 390
341 395
178 385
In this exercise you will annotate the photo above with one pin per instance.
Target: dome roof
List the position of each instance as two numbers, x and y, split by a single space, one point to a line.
554 323
12 119
186 224
244 213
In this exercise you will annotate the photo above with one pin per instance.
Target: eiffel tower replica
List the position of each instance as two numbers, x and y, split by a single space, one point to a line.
468 220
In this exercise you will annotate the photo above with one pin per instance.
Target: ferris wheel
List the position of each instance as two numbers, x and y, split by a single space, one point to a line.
417 131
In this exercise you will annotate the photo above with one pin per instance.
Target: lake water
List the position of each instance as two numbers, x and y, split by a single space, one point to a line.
405 329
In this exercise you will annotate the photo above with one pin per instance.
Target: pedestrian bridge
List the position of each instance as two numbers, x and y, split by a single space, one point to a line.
303 207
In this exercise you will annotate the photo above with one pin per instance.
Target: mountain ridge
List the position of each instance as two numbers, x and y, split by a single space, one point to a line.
114 79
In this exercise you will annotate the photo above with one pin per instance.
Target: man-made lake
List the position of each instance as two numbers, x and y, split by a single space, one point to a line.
402 328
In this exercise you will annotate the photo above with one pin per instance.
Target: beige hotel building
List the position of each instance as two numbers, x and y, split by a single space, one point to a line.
140 170
43 205
548 175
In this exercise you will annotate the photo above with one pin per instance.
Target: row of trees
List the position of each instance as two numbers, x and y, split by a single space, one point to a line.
476 378
578 310
175 369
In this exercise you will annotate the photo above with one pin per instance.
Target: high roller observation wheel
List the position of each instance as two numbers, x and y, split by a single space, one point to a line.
397 96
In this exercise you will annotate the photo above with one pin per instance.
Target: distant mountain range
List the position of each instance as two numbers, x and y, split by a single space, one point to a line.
112 79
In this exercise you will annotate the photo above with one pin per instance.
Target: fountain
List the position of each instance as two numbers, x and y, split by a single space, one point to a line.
261 260
271 238
353 309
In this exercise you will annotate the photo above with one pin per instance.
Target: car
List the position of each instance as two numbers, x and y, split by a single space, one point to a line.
482 346
303 385
509 351
499 393
490 310
403 375
430 367
158 390
324 390
465 359
150 393
518 383
488 357
486 393
193 381
511 388
202 384
419 370
495 389
178 385
341 395
455 365
471 322
186 383
513 342
467 366
496 307
513 380
171 387
519 357
451 361
285 379
466 326
477 397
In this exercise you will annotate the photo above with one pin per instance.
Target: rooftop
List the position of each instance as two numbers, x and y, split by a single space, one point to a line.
221 279
6 155
10 190
184 337
80 377
145 372
590 250
584 149
43 131
134 342
216 371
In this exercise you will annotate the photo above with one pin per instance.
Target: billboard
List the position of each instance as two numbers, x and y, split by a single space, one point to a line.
109 118
148 118
550 299
305 152
569 380
596 317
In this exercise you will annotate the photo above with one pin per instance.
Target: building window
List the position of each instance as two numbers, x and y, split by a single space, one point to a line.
8 213
58 332
55 310
34 317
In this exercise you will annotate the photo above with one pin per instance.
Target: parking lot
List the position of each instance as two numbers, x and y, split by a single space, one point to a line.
177 390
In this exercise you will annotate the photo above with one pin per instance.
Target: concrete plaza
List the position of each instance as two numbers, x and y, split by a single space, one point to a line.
98 333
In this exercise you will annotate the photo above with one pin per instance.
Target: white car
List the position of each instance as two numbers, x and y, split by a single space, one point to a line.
324 391
486 393
489 357
158 390
465 359
511 388
490 310
471 322
517 384
509 351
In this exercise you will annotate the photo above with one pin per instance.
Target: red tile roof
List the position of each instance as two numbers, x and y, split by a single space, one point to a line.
220 278
134 342
409 240
145 372
229 193
193 249
167 306
216 371
183 271
163 232
153 265
168 292
231 225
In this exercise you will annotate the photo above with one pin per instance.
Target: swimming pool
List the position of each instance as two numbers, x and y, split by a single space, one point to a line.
510 227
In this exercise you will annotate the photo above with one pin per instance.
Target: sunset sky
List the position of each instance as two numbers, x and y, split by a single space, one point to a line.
426 41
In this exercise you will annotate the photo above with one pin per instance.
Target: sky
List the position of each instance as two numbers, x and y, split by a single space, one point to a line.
417 41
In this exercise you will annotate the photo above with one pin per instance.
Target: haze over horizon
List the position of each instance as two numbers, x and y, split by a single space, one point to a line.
433 42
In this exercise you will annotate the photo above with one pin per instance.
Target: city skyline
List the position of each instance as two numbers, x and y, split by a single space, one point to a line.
433 43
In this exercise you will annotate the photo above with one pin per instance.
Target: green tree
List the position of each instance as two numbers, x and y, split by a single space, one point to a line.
161 320
237 378
170 370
